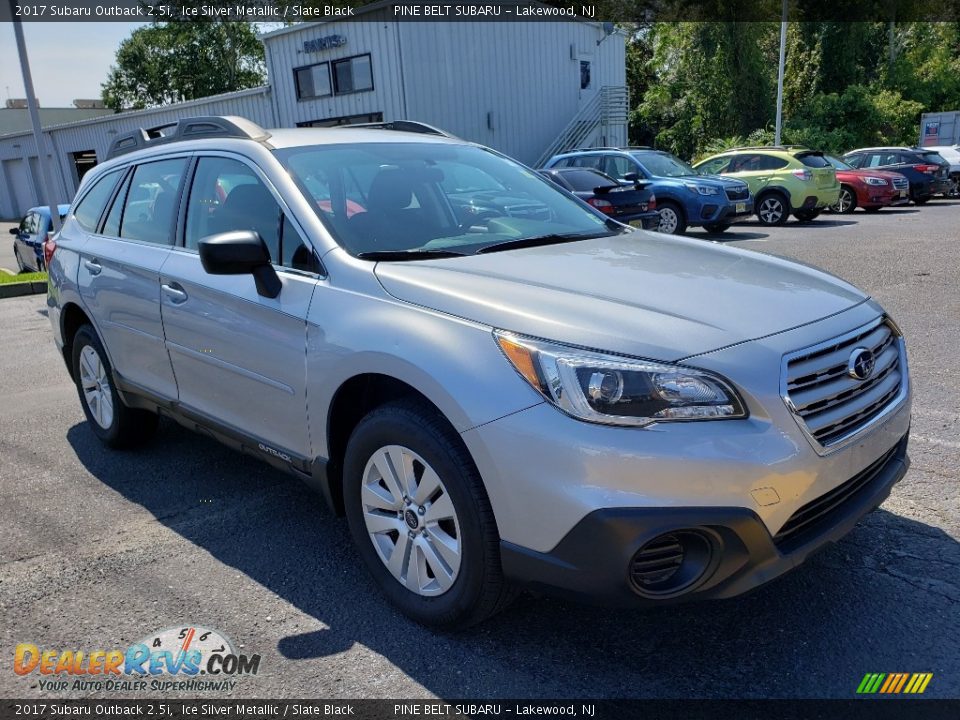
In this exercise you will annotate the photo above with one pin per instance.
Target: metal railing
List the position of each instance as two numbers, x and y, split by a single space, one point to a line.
595 121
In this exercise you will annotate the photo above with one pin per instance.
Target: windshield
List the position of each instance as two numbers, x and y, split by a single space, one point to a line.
660 165
429 198
837 163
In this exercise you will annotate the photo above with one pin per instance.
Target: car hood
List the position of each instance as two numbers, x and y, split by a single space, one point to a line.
638 293
718 181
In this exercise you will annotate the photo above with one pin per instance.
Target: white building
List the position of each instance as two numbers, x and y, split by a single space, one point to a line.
527 89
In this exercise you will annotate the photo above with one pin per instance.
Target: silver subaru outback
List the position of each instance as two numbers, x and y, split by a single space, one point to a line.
497 385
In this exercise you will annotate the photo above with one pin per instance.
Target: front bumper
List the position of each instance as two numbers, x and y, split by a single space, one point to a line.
723 212
871 196
593 562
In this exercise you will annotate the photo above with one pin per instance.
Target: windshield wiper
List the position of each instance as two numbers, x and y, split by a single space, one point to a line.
552 239
420 254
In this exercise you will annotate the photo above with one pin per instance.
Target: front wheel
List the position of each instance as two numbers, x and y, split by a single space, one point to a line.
672 221
420 517
116 425
773 209
846 203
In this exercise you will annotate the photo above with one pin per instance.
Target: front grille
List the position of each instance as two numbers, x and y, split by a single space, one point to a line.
901 183
813 516
829 403
657 561
741 193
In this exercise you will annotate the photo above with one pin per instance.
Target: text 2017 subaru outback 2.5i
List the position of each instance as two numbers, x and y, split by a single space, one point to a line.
534 396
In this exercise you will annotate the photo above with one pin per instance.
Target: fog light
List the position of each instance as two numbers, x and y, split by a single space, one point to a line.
672 563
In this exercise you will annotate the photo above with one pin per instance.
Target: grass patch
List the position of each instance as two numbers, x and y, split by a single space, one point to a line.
23 277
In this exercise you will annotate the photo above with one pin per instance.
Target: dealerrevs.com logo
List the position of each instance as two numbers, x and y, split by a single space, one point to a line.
187 658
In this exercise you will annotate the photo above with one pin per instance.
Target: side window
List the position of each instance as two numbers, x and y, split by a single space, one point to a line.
564 163
295 253
588 161
29 224
228 195
90 208
741 163
855 160
150 208
111 227
715 166
616 166
769 162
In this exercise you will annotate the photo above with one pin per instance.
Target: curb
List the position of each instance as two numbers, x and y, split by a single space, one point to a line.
10 290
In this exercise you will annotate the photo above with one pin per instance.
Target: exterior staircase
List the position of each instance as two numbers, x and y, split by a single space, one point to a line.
602 121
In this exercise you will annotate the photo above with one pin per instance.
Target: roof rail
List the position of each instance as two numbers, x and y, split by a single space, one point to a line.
193 128
768 147
413 126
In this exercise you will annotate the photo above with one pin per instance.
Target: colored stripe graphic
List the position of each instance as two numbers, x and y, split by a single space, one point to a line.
894 683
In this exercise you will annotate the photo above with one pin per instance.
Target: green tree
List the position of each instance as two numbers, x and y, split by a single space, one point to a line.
177 61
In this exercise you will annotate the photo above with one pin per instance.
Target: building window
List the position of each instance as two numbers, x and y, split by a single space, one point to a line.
313 81
584 74
83 161
373 117
352 75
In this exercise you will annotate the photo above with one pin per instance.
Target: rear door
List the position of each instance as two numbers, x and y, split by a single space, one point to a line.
239 357
119 275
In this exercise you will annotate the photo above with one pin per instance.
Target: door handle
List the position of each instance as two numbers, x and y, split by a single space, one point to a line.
93 266
176 293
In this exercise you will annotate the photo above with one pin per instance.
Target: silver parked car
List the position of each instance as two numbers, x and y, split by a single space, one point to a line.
498 385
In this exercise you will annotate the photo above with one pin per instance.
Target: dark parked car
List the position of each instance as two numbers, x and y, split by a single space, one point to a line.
633 204
29 235
868 189
928 173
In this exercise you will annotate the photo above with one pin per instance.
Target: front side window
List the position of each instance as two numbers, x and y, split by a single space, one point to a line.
90 208
352 74
228 195
313 81
617 166
150 208
837 163
714 166
424 197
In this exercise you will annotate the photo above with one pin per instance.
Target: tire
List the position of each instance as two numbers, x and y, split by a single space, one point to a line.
672 220
773 209
847 201
452 589
874 209
807 215
921 200
717 227
117 425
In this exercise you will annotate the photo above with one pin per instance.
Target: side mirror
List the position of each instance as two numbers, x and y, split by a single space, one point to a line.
241 252
632 177
15 231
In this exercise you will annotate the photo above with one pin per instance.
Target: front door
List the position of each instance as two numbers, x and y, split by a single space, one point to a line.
239 357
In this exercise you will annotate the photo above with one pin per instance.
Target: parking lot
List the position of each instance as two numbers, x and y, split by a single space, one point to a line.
100 549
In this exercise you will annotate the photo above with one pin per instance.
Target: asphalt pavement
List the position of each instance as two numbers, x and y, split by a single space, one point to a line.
99 549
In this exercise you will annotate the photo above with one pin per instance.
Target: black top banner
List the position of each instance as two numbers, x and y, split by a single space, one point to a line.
172 709
615 11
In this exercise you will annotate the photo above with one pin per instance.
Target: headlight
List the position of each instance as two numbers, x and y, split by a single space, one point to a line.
617 390
871 180
702 189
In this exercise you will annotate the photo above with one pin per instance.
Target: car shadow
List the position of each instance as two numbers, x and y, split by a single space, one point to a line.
730 235
884 598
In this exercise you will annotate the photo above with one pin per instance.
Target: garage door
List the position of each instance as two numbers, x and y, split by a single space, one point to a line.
21 187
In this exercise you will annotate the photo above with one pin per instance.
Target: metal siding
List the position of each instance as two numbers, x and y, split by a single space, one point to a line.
379 39
521 72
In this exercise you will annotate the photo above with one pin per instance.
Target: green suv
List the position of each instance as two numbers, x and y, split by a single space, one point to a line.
783 180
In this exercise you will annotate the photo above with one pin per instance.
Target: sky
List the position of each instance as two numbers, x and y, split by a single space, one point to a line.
68 60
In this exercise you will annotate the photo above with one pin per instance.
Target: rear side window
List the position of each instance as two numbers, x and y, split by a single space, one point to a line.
756 162
814 161
228 195
89 210
150 208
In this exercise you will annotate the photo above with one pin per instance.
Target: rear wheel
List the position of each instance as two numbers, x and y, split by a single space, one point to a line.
420 517
847 202
717 227
806 215
773 209
116 425
672 221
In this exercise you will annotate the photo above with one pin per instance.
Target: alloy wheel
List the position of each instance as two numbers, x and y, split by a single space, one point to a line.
96 387
668 221
771 210
844 202
411 520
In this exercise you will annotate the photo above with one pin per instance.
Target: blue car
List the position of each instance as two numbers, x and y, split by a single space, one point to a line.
685 198
29 235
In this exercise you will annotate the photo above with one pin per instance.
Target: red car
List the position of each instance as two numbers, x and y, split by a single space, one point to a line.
869 189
